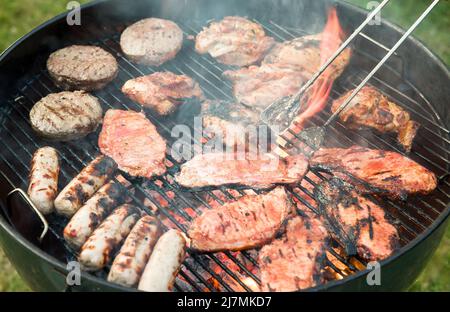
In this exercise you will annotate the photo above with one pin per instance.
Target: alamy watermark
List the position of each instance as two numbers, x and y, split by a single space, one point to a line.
74 15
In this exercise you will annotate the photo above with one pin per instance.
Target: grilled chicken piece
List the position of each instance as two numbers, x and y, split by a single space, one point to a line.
376 171
133 142
259 171
227 122
260 86
251 221
357 222
371 109
294 262
162 91
303 54
234 41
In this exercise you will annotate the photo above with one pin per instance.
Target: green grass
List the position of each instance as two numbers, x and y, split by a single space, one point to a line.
17 17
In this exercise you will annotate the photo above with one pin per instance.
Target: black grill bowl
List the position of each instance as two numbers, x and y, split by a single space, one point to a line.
416 79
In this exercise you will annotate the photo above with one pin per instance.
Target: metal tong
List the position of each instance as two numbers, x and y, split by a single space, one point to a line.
289 107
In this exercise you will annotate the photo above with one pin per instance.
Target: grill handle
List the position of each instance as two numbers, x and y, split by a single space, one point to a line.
20 212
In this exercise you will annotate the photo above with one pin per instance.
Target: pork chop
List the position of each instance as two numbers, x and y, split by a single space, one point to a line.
294 262
259 171
376 171
133 142
357 222
251 221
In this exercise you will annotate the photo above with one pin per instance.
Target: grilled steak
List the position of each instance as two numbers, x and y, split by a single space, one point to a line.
294 261
234 41
376 171
66 116
162 91
152 41
303 55
357 222
227 122
371 109
260 171
251 221
82 68
260 86
133 142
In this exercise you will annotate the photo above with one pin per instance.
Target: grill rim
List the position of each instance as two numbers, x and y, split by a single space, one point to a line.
440 221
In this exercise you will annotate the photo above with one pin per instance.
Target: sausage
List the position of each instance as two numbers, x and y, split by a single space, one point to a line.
44 174
129 264
98 249
94 211
84 185
164 264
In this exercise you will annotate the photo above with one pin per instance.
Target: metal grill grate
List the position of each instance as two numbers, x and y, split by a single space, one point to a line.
227 271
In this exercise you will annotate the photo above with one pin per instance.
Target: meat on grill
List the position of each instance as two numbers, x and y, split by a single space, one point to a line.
234 41
371 109
164 263
303 55
260 86
93 212
259 171
43 186
133 142
228 122
84 185
152 41
82 68
66 115
162 91
294 261
357 222
376 171
251 221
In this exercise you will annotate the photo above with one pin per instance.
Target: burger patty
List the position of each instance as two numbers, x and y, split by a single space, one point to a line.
66 116
152 41
81 67
133 142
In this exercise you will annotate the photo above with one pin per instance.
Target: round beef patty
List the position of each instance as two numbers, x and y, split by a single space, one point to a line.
82 68
152 41
66 116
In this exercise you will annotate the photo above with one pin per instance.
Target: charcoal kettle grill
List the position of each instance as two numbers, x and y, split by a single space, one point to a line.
414 77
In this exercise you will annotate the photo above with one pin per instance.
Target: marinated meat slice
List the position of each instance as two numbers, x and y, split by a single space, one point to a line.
234 41
260 86
133 142
294 262
162 91
227 122
376 171
251 221
357 222
259 171
371 109
303 54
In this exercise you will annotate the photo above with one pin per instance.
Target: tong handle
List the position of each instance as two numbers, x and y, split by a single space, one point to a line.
381 63
296 97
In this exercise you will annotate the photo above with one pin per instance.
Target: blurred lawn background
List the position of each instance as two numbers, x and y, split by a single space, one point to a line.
18 17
